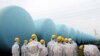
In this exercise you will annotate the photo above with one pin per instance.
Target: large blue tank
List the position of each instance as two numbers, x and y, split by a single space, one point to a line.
62 30
44 29
14 22
76 35
66 32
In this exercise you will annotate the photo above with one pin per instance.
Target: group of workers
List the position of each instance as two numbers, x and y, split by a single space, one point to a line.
58 46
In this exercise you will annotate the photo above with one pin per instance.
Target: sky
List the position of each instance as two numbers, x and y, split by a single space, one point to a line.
83 15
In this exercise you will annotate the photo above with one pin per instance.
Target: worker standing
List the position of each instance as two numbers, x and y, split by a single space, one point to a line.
24 51
88 50
43 51
28 49
57 49
15 47
91 50
68 49
72 42
50 44
74 46
33 47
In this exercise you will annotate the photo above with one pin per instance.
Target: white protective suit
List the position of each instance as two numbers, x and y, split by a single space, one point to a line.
57 49
43 51
24 50
91 50
49 46
33 48
74 46
15 49
68 50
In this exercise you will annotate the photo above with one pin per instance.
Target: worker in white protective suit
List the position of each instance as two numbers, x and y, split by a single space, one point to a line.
57 48
50 44
33 47
30 42
24 48
68 49
72 42
44 50
15 47
91 50
74 46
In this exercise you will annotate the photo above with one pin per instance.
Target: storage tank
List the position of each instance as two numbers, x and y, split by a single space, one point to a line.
14 22
62 30
44 29
78 36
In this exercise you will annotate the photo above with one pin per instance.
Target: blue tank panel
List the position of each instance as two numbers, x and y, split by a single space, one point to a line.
66 32
44 29
83 38
14 22
62 30
76 35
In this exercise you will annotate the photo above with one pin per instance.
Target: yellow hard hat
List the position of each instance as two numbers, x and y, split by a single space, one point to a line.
42 41
81 47
30 40
59 38
25 41
17 39
66 40
33 36
53 36
62 39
